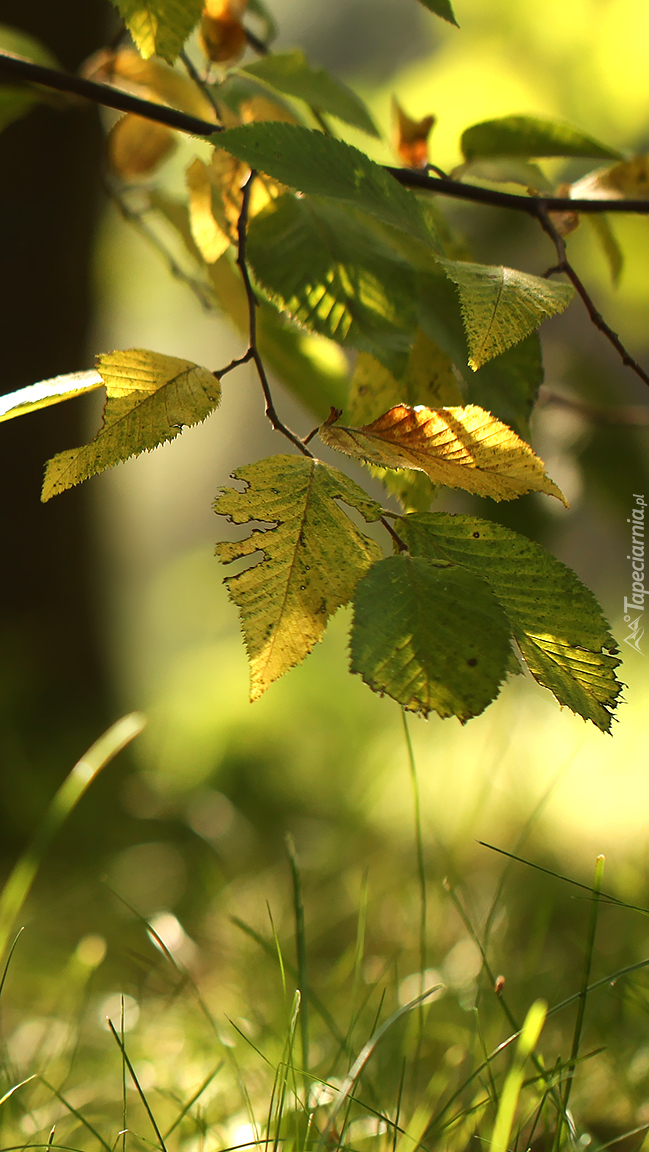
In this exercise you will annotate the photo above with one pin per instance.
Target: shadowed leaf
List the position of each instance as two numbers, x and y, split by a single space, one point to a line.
150 398
431 636
290 73
458 447
555 619
312 557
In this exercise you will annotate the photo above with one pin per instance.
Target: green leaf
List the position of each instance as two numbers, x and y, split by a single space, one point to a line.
501 306
262 12
321 166
432 636
150 397
528 136
441 8
601 226
312 559
47 392
16 101
291 73
508 385
321 263
160 27
555 619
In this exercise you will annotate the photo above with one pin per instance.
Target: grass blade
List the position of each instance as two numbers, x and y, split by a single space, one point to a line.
528 1038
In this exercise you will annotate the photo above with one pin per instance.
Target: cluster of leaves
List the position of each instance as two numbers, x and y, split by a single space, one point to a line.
292 229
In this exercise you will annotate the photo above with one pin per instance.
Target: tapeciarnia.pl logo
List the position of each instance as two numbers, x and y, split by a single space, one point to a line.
634 605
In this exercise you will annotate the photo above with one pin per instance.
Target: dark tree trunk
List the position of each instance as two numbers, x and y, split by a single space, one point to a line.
51 689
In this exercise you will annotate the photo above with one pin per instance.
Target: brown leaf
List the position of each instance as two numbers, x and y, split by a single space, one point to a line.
223 36
137 146
564 222
412 137
458 447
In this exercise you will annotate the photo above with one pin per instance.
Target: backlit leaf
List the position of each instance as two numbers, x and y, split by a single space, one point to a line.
136 147
48 392
222 35
458 447
555 619
157 80
606 237
323 265
321 166
508 386
291 73
432 636
502 305
626 181
412 137
441 8
150 398
16 100
160 27
312 557
530 136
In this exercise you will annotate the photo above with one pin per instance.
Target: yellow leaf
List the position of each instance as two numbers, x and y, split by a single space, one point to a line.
160 27
47 392
628 180
311 561
412 137
211 235
137 146
150 398
152 79
223 36
458 447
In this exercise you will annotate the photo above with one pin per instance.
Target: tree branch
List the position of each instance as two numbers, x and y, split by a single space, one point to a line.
14 67
253 350
566 267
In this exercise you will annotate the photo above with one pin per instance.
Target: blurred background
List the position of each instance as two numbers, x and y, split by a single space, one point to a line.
112 599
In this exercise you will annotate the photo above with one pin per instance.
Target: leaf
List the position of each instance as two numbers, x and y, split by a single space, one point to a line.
17 100
530 136
158 80
150 397
48 392
244 100
136 147
601 226
626 181
321 166
432 636
215 200
222 35
507 386
502 305
429 379
291 73
323 265
412 137
160 27
505 170
441 8
458 447
554 618
312 557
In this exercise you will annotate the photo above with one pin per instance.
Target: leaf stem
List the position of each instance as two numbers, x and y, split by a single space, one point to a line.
253 304
397 539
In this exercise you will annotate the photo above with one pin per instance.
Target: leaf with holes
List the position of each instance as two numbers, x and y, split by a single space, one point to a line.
432 636
329 271
150 398
458 447
555 619
321 166
291 73
160 27
530 136
500 306
313 556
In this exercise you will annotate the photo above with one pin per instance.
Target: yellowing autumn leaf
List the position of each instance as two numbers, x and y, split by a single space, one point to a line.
137 146
412 137
458 447
150 398
628 180
223 36
500 306
312 559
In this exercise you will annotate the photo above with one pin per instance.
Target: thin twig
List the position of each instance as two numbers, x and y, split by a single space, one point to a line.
397 539
200 83
15 67
627 415
253 350
566 267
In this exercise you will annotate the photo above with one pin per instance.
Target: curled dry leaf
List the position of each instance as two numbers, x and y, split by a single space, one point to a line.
223 36
564 222
412 137
136 146
458 447
628 180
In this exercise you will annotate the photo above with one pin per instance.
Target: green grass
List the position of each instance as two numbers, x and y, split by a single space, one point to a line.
311 1025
